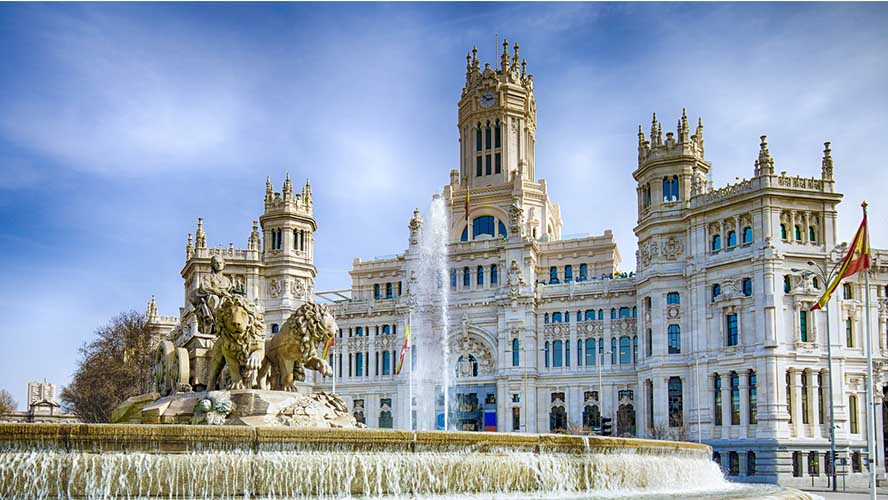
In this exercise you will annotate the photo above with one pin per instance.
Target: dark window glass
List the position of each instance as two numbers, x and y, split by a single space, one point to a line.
750 463
480 278
483 225
590 352
783 231
488 165
625 351
753 398
516 352
479 166
467 277
502 230
497 163
717 404
716 242
735 399
498 136
568 273
812 234
376 291
732 238
556 317
557 348
487 137
732 329
546 354
803 325
553 274
674 338
494 277
673 298
716 291
478 139
386 362
747 286
675 402
747 234
798 232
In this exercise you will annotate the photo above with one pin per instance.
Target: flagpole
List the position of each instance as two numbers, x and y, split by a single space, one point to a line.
409 377
870 413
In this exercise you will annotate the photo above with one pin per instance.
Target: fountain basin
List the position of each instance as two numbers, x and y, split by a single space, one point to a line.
179 461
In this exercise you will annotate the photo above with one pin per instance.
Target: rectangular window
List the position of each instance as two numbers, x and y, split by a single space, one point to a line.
735 399
753 399
805 407
803 325
497 163
673 298
674 339
498 137
467 277
487 137
731 329
478 166
493 275
487 165
516 418
675 402
849 332
852 414
478 138
386 363
717 404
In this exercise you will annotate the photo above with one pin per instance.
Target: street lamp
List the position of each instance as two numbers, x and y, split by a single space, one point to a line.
826 279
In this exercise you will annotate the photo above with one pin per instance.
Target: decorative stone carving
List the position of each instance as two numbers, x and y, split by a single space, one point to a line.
515 279
415 226
299 289
240 343
516 216
467 345
274 289
672 248
212 410
295 347
698 183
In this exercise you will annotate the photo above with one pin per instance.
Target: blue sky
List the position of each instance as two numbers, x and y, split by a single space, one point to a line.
120 124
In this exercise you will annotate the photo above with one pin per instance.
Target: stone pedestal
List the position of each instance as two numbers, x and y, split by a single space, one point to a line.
250 407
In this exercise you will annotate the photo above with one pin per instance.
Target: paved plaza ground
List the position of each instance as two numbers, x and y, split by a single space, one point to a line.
849 495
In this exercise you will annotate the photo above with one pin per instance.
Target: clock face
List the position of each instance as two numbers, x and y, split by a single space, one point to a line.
488 99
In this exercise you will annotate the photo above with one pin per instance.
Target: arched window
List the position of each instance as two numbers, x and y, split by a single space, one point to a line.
747 234
625 350
478 139
553 274
590 352
453 279
674 192
674 338
494 275
547 317
717 403
568 273
546 354
591 417
296 234
480 277
516 352
634 311
783 235
852 414
590 315
479 165
676 415
667 189
847 291
716 242
567 316
467 277
557 348
376 294
579 316
613 313
359 364
787 284
386 329
613 350
487 136
601 314
673 298
359 331
584 272
716 291
388 290
849 332
797 232
732 238
275 328
556 317
500 226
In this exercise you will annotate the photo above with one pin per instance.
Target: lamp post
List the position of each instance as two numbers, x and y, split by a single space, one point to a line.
826 279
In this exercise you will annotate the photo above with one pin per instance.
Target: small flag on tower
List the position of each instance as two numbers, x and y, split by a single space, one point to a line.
403 349
857 259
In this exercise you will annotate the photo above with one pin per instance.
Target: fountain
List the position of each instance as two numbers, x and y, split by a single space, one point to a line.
431 334
253 434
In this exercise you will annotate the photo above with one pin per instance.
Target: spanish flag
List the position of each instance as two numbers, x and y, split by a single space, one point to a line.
327 345
857 259
403 349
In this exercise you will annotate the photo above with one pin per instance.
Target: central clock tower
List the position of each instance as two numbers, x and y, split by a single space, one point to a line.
497 121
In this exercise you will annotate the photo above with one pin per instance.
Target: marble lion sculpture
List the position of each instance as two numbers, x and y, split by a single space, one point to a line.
240 343
295 347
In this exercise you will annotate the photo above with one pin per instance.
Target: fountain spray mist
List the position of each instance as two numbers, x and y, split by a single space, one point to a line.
433 339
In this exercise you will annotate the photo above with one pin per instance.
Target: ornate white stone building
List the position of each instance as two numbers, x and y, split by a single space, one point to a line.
709 339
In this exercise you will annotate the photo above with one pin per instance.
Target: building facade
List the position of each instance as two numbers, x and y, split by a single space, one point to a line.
42 407
710 338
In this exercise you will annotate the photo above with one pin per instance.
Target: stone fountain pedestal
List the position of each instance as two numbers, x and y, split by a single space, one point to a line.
248 407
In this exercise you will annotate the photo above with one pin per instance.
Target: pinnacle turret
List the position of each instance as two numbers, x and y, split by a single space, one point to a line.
189 248
764 165
200 237
287 190
826 171
254 243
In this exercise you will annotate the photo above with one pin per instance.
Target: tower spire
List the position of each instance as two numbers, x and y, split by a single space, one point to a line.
683 135
654 139
504 59
189 248
765 163
269 191
200 237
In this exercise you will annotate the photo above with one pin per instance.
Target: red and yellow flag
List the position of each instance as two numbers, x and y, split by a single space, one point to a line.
327 345
404 349
856 260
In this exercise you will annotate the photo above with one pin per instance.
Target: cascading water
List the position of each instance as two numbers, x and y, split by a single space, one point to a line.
431 333
182 462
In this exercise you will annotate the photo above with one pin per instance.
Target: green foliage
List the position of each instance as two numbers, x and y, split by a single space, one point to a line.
114 366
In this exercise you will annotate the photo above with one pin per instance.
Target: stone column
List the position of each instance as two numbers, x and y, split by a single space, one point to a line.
744 403
796 384
572 341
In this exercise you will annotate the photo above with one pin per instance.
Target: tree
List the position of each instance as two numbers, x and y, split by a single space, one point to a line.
114 366
7 402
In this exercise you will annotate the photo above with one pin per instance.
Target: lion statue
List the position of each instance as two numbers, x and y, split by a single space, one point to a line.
295 347
240 343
